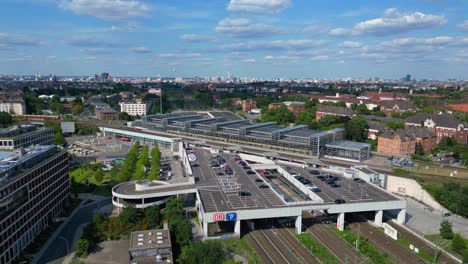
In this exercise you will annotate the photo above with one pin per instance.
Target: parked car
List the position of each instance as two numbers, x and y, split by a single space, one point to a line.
258 180
263 186
340 201
359 180
250 172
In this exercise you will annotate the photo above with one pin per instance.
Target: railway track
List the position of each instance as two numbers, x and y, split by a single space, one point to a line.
420 243
384 243
266 249
287 238
337 246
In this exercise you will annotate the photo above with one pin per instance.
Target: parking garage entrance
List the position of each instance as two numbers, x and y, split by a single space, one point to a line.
267 223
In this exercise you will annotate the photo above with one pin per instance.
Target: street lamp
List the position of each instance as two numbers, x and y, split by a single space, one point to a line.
66 241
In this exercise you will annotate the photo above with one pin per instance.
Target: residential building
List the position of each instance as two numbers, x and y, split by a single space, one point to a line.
295 107
34 188
399 106
333 111
23 136
150 246
442 124
375 128
106 114
382 96
11 101
403 141
248 105
134 108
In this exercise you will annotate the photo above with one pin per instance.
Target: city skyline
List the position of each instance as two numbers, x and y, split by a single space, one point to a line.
248 38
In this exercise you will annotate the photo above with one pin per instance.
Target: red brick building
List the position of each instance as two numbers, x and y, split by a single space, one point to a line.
442 124
295 107
403 141
333 110
106 114
399 106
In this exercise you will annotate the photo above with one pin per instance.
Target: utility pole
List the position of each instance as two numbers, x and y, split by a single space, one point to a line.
160 101
357 240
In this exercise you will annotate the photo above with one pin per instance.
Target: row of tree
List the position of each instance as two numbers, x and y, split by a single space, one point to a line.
458 242
137 163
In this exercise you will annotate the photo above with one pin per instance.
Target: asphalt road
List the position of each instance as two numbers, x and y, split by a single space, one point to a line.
57 250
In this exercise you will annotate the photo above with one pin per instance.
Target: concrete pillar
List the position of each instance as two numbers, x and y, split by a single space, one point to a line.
205 230
340 221
237 228
378 218
402 216
299 225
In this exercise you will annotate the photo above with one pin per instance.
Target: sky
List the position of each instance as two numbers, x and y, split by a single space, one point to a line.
246 38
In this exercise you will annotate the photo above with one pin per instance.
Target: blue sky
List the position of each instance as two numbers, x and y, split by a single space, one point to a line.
249 38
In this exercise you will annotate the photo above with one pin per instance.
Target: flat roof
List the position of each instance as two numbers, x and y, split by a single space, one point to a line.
268 129
348 145
228 116
305 132
150 239
220 193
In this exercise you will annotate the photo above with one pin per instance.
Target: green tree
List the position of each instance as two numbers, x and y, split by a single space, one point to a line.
5 119
281 115
428 110
128 168
99 176
446 229
306 118
140 169
152 216
125 116
458 244
207 252
82 247
419 149
328 121
77 109
128 215
355 129
362 110
155 163
395 125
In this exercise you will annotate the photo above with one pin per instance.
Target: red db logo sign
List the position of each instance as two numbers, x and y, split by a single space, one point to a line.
218 217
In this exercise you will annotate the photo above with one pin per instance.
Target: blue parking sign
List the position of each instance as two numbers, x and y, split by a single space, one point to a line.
231 216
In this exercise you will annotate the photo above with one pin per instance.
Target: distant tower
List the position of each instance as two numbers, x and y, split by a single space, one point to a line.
408 78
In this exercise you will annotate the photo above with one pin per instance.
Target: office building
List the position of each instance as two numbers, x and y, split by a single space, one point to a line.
106 114
24 136
136 108
34 188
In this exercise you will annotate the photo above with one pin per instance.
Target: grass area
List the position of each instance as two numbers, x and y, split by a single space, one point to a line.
401 171
444 243
241 247
41 238
367 249
404 242
434 169
317 249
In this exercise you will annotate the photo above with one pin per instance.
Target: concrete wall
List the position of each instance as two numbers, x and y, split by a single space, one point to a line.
256 159
411 188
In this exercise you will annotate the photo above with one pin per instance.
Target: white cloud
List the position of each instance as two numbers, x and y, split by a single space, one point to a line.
249 60
293 44
7 39
107 9
244 28
141 50
282 58
351 44
316 29
92 42
122 28
392 22
319 58
258 6
464 26
179 55
269 57
197 38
